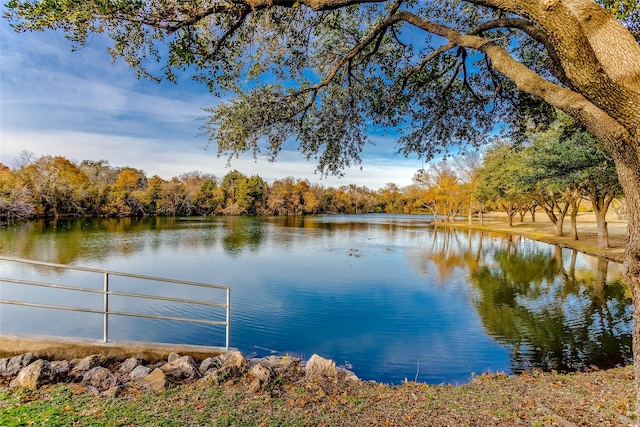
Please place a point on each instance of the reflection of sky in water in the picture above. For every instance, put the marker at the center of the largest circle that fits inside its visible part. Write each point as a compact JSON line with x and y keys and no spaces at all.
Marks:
{"x":384,"y":294}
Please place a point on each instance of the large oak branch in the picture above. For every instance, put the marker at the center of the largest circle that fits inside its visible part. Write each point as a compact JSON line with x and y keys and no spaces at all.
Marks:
{"x":598,"y":55}
{"x":599,"y":122}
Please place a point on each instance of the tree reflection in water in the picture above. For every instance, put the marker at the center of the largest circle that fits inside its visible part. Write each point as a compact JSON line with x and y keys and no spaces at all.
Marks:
{"x":550,"y":313}
{"x":548,"y":317}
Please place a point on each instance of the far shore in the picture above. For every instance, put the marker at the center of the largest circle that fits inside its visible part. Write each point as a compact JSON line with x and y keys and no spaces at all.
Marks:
{"x":543,"y":230}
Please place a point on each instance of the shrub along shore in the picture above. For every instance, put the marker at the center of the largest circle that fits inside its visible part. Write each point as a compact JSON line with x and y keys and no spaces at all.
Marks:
{"x":599,"y":398}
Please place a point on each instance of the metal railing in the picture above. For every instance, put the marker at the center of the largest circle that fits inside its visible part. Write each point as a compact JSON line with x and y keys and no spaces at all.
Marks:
{"x":106,"y":292}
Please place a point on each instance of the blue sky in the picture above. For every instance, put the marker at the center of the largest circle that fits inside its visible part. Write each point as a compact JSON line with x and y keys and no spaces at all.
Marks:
{"x":78,"y":105}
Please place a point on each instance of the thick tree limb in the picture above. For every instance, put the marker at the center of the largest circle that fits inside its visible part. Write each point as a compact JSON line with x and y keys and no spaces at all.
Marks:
{"x":597,"y":52}
{"x":535,"y":33}
{"x":598,"y":121}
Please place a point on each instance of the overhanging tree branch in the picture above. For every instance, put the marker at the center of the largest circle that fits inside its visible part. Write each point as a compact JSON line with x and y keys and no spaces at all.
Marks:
{"x":526,"y":80}
{"x":220,"y":42}
{"x":535,"y":33}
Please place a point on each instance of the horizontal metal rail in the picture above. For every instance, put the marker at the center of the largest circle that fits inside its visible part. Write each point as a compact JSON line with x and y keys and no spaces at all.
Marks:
{"x":106,"y":292}
{"x":50,"y":285}
{"x":113,"y":273}
{"x":120,"y":294}
{"x":118,"y":313}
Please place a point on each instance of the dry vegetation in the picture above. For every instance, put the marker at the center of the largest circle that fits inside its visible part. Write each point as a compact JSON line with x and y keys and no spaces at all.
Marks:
{"x":601,"y":398}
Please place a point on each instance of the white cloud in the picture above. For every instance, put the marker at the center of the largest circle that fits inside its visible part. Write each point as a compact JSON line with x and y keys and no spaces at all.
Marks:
{"x":168,"y":159}
{"x":77,"y":105}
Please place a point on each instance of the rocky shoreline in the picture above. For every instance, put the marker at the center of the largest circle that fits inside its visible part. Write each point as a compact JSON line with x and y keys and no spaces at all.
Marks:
{"x":108,"y":377}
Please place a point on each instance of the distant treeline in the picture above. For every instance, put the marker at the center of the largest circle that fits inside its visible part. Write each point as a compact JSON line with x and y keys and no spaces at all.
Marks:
{"x":554,"y":173}
{"x":51,"y":186}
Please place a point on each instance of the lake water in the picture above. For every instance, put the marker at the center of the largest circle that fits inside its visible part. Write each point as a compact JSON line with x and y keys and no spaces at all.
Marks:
{"x":387,"y":296}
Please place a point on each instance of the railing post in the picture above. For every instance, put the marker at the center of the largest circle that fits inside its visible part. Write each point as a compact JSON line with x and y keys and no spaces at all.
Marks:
{"x":228,"y":317}
{"x":105,"y":332}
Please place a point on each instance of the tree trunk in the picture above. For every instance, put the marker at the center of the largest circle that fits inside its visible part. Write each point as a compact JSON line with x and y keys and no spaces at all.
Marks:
{"x":603,"y":230}
{"x":562,"y":213}
{"x":628,"y":168}
{"x":558,"y":220}
{"x":619,"y":209}
{"x":600,"y":208}
{"x":434,"y":210}
{"x":633,"y":280}
{"x":533,"y":209}
{"x":454,"y":212}
{"x":574,"y":224}
{"x":510,"y":209}
{"x":559,"y":225}
{"x":575,"y":205}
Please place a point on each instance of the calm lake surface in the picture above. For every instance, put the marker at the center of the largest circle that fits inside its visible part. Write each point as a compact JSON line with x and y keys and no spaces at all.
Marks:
{"x":387,"y":296}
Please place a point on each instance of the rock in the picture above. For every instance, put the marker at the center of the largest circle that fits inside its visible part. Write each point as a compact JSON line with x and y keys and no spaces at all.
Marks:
{"x":231,"y":364}
{"x":129,"y":365}
{"x":13,"y":365}
{"x":283,"y":366}
{"x":210,"y":363}
{"x":235,"y":359}
{"x":173,"y":357}
{"x":62,"y":367}
{"x":255,"y":386}
{"x":87,"y":363}
{"x":223,"y":376}
{"x":347,"y":375}
{"x":139,"y":372}
{"x":229,"y":383}
{"x":183,"y":368}
{"x":319,"y":367}
{"x":33,"y":376}
{"x":156,"y":381}
{"x":212,"y":377}
{"x":230,"y":373}
{"x":262,"y":373}
{"x":274,"y":361}
{"x":108,"y":377}
{"x":100,"y":378}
